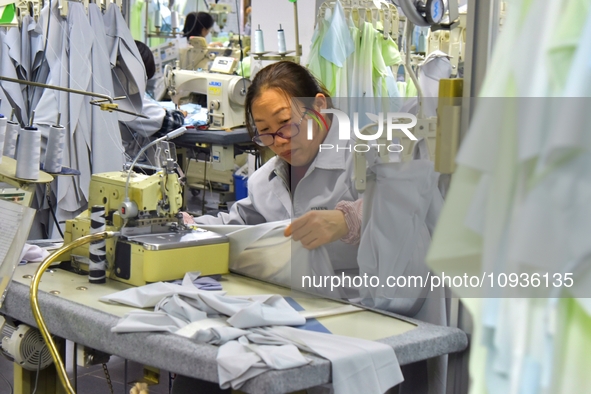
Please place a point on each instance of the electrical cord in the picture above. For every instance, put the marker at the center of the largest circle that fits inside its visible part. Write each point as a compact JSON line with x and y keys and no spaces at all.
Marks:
{"x":8,"y":383}
{"x":241,"y":48}
{"x":37,"y":375}
{"x":53,"y":215}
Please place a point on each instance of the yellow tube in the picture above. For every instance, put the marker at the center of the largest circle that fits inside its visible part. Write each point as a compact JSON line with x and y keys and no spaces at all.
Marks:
{"x":34,"y":288}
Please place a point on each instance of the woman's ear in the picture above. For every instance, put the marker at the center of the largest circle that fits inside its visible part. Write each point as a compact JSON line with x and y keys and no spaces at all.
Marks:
{"x":320,"y":101}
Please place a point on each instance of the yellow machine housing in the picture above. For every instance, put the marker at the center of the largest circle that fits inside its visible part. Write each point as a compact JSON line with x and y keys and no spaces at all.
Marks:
{"x":154,"y":246}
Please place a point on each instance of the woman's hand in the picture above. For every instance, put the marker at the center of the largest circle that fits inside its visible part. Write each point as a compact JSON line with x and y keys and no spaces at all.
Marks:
{"x":187,"y":218}
{"x":317,"y":228}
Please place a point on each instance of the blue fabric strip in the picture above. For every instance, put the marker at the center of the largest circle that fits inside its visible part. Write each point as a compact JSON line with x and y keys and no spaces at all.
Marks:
{"x":311,"y":324}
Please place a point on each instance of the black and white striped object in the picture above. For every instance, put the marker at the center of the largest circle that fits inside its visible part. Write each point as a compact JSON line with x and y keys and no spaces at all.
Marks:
{"x":97,"y":269}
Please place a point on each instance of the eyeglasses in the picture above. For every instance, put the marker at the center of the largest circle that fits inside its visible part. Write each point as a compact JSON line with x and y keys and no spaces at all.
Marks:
{"x":287,"y":131}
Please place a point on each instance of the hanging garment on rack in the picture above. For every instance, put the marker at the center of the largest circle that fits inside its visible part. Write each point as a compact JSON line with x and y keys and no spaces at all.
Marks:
{"x":392,"y":58}
{"x":39,"y":70}
{"x":352,"y":61}
{"x":82,"y":39}
{"x":28,"y":24}
{"x":435,"y":67}
{"x":136,"y":19}
{"x":52,"y":102}
{"x":107,"y":147}
{"x":129,"y":73}
{"x":5,"y":106}
{"x":9,"y":61}
{"x":316,"y":63}
{"x":539,"y":206}
{"x":337,"y":45}
{"x":364,"y":77}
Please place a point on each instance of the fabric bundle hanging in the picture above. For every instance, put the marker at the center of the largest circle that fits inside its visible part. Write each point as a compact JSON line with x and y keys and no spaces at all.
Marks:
{"x":518,"y":202}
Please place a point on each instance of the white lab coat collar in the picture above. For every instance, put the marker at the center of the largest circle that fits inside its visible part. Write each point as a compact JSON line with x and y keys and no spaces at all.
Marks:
{"x":331,"y":159}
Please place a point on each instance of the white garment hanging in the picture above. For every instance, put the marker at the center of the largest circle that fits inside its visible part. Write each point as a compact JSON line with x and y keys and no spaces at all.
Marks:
{"x":107,"y":147}
{"x":10,"y":55}
{"x":129,"y":73}
{"x":39,"y":70}
{"x":5,"y":106}
{"x":81,"y":41}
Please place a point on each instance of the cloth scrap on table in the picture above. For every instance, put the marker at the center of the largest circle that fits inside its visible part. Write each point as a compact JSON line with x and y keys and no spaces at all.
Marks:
{"x":200,"y":282}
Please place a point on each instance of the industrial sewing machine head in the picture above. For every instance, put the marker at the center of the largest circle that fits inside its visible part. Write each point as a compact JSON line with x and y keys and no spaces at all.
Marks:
{"x":154,"y":244}
{"x":195,"y":56}
{"x":226,"y":94}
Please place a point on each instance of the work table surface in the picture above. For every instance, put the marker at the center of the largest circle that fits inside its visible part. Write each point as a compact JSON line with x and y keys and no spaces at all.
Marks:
{"x":72,"y":311}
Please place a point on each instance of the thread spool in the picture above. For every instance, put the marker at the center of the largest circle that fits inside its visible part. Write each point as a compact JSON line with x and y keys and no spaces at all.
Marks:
{"x":11,"y":136}
{"x":97,"y":269}
{"x":259,"y":43}
{"x":28,"y":153}
{"x":174,"y":20}
{"x":3,"y":122}
{"x":54,"y":152}
{"x":281,"y":40}
{"x":157,"y":17}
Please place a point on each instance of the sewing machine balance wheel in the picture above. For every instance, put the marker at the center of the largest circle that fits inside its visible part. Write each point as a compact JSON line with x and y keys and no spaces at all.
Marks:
{"x":238,"y":88}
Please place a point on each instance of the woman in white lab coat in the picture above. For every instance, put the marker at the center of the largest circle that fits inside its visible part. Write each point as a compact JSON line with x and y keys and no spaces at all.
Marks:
{"x":312,"y":187}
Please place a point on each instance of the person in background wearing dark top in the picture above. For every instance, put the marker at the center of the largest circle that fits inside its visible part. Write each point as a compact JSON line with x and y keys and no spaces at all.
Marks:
{"x":140,"y":131}
{"x":198,"y":24}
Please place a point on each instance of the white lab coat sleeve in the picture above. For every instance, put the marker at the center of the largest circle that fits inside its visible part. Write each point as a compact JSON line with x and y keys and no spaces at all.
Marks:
{"x":242,"y":212}
{"x":246,"y":211}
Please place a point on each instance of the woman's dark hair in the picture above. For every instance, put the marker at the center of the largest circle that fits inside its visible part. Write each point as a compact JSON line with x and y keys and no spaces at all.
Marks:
{"x":147,"y":57}
{"x":195,"y":22}
{"x":290,"y":78}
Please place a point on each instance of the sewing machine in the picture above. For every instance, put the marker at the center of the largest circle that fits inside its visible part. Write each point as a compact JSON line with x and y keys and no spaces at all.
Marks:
{"x":196,"y":55}
{"x":154,"y":244}
{"x":220,"y":12}
{"x":226,"y":94}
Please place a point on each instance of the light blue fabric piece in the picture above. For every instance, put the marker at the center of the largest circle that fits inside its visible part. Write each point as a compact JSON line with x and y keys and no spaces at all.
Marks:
{"x":337,"y":45}
{"x":531,"y":376}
